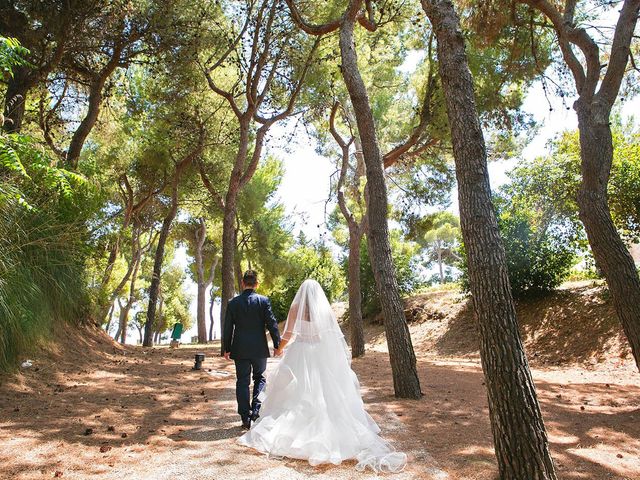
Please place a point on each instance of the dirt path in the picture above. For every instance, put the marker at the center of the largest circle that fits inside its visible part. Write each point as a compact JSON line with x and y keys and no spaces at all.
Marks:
{"x":152,"y":417}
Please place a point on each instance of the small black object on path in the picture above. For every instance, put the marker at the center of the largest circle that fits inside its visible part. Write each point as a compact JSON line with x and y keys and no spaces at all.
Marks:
{"x":198,"y":362}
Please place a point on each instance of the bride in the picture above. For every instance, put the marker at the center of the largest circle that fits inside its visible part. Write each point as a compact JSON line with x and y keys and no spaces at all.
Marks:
{"x":312,"y":408}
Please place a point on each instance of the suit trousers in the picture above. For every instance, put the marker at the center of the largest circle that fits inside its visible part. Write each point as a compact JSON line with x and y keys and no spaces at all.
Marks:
{"x":244,"y":368}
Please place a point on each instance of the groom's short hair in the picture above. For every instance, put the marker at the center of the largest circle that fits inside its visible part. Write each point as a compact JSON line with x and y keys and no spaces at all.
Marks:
{"x":250,"y":278}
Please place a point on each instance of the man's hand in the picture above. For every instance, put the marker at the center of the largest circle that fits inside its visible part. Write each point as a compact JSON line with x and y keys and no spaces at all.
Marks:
{"x":226,"y":355}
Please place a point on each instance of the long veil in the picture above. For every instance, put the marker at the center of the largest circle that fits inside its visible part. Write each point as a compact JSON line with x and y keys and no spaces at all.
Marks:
{"x":311,"y":318}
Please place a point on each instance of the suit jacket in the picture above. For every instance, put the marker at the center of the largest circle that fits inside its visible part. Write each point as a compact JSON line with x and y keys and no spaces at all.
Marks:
{"x":246,"y":320}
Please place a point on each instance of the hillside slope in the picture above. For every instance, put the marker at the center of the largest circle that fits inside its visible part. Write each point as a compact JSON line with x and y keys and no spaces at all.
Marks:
{"x":575,"y":324}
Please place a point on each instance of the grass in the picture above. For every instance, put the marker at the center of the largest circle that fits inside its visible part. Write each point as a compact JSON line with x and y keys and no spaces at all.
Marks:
{"x":41,"y":275}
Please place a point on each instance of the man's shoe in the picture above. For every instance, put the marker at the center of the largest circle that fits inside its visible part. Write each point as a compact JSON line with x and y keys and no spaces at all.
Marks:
{"x":246,"y":423}
{"x":255,"y":416}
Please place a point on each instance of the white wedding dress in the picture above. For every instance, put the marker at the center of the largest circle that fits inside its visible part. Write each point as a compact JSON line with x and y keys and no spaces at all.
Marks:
{"x":312,"y":408}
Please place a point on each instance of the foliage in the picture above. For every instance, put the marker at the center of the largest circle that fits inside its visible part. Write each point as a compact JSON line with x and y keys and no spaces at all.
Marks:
{"x":307,"y":260}
{"x":539,"y":254}
{"x":43,"y":210}
{"x":407,"y":267}
{"x":175,"y":306}
{"x":12,"y":54}
{"x":538,"y":221}
{"x":624,"y":184}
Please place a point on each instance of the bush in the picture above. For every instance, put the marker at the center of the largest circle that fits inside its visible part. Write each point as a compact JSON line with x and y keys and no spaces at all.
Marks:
{"x":307,"y":261}
{"x":405,"y":260}
{"x":538,"y":260}
{"x":539,"y":255}
{"x":42,"y":246}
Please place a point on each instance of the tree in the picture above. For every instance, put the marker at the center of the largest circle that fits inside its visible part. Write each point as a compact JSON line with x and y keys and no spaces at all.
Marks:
{"x":403,"y":361}
{"x":181,"y":165}
{"x":519,"y":434}
{"x":442,"y":238}
{"x":45,"y":30}
{"x":204,"y":251}
{"x":598,"y":75}
{"x":125,"y":33}
{"x":268,"y":75}
{"x":307,"y":260}
{"x":406,"y":263}
{"x":356,"y":229}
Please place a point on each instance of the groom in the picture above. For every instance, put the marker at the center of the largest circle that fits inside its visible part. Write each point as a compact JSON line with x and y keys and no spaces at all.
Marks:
{"x":245,"y":341}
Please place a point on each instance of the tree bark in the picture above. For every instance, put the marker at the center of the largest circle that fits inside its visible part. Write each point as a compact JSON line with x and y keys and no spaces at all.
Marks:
{"x":124,"y":312}
{"x":402,"y":357}
{"x":203,"y":280}
{"x":109,"y":318}
{"x":520,"y":438}
{"x":598,"y":78}
{"x":119,"y":329}
{"x":15,"y":98}
{"x":87,"y":123}
{"x":356,"y":322}
{"x":610,"y":252}
{"x":356,"y":229}
{"x":228,"y":259}
{"x":157,"y":264}
{"x":439,"y":249}
{"x":212,"y":322}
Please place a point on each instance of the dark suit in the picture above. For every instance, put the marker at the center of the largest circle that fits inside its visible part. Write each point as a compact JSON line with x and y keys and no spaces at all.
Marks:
{"x":246,"y":320}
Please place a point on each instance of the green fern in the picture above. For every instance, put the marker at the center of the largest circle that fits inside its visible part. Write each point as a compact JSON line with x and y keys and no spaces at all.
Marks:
{"x":10,"y":159}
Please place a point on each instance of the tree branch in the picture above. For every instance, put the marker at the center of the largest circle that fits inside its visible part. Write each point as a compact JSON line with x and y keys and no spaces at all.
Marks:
{"x":296,"y":91}
{"x":209,"y":186}
{"x":620,"y":51}
{"x":224,"y":94}
{"x":310,"y":28}
{"x":391,"y":157}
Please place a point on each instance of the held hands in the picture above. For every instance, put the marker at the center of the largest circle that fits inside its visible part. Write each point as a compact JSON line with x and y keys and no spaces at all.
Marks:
{"x":278,"y":351}
{"x":226,"y":355}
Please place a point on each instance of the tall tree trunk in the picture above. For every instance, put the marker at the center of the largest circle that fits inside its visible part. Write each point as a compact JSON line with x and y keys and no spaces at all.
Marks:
{"x":598,"y":75}
{"x":212,"y":324}
{"x":124,"y":312}
{"x":15,"y":98}
{"x":154,"y":287}
{"x":109,"y":318}
{"x":520,"y":438}
{"x":124,"y":322}
{"x":201,"y":313}
{"x":228,"y":258}
{"x":356,"y":229}
{"x":611,"y":254}
{"x":157,"y":263}
{"x":356,"y":322}
{"x":229,"y":224}
{"x":119,"y":330}
{"x":200,"y":238}
{"x":403,"y":361}
{"x":439,"y":248}
{"x":87,"y":123}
